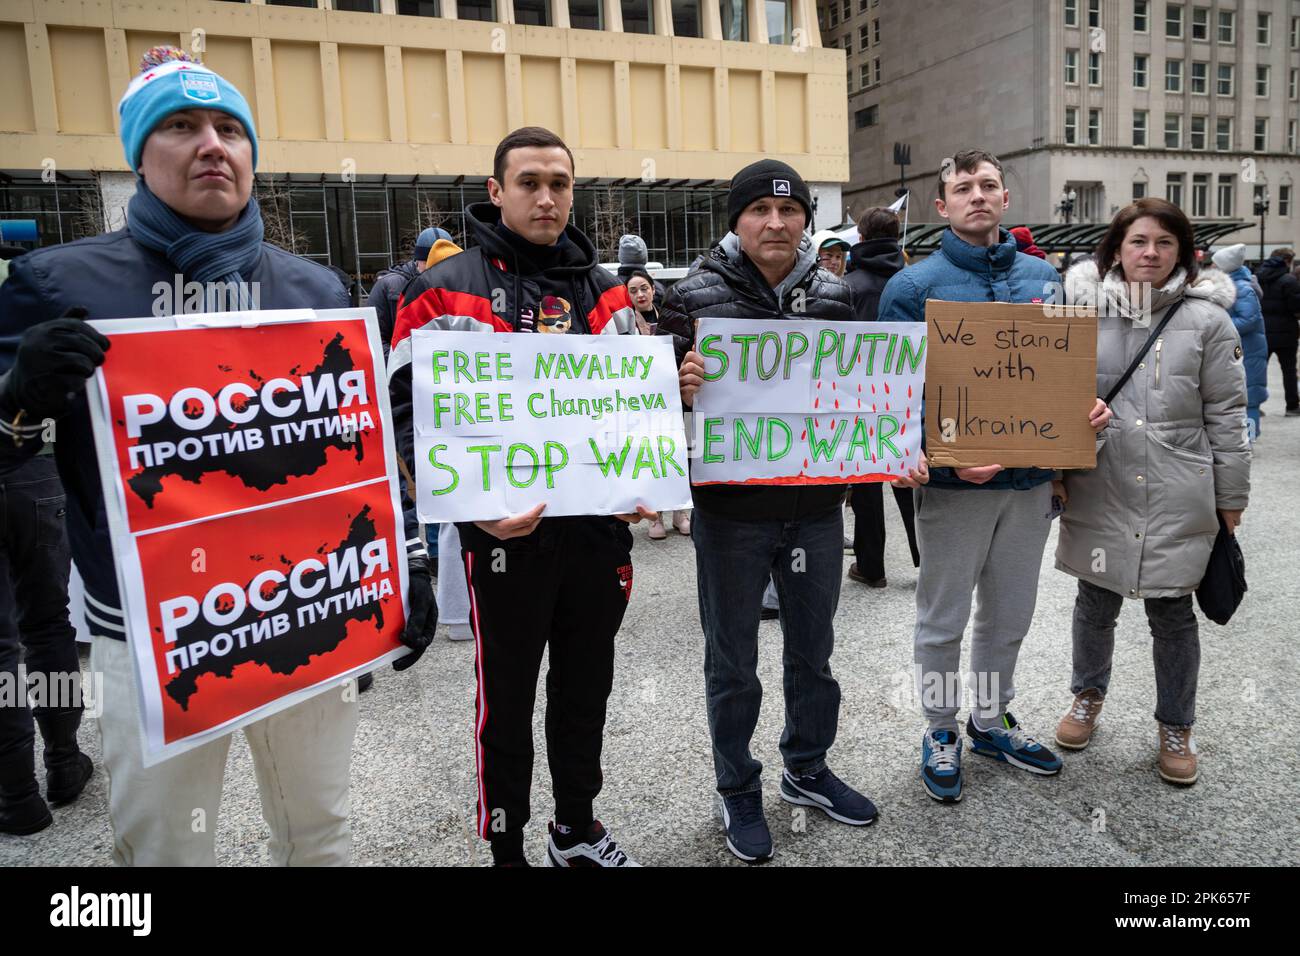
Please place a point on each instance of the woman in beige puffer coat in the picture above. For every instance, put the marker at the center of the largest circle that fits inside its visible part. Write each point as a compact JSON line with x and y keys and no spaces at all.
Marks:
{"x":1174,"y":457}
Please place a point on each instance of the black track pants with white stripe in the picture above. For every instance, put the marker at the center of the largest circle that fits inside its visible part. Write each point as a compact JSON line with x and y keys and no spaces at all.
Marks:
{"x":566,"y":586}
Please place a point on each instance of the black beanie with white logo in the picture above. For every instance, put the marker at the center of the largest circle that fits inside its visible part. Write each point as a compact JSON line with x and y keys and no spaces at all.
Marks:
{"x":766,"y":178}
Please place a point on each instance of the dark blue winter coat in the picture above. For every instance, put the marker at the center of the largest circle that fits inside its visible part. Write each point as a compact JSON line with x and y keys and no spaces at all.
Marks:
{"x":961,"y":272}
{"x":113,"y":277}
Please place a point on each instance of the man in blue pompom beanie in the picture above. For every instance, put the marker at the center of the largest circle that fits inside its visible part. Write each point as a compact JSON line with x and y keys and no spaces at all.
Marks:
{"x":189,"y":136}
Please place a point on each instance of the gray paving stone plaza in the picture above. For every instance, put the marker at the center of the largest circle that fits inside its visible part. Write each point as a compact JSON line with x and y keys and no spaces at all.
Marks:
{"x":413,"y":770}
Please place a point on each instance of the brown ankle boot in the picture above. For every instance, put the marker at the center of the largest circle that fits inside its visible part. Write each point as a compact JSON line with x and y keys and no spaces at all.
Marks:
{"x":1178,"y":755}
{"x":1076,"y":727}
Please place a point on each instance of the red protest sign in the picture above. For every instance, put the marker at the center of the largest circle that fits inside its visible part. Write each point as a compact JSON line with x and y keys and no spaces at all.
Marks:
{"x":269,"y":612}
{"x":208,"y":421}
{"x":250,"y":483}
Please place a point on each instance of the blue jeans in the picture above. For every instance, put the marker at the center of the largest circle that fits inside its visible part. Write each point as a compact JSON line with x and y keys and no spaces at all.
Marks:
{"x":733,"y":561}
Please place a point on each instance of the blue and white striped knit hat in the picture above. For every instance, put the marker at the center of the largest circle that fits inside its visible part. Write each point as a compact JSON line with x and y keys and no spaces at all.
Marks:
{"x":170,"y":81}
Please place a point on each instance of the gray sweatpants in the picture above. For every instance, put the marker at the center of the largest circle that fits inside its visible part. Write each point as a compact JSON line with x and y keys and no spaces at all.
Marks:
{"x":989,"y":543}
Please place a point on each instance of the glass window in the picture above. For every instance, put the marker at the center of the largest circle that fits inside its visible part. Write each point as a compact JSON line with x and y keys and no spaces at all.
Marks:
{"x":1295,"y":33}
{"x":1071,"y":13}
{"x":864,"y":37}
{"x":1200,"y":23}
{"x":1291,"y":136}
{"x":1260,"y":195}
{"x":1139,"y":127}
{"x":1173,"y":131}
{"x":1197,"y":132}
{"x":1141,"y":15}
{"x":357,"y":6}
{"x":485,"y":10}
{"x":1227,"y":186}
{"x":1263,"y":28}
{"x":864,"y":78}
{"x":1262,"y":75}
{"x":590,"y":15}
{"x":866,"y":117}
{"x":875,"y":31}
{"x":1173,"y":76}
{"x":1293,"y":85}
{"x":1227,"y":26}
{"x":848,"y":78}
{"x":835,"y":15}
{"x":862,"y":6}
{"x":779,"y":16}
{"x":638,"y":16}
{"x":419,"y":8}
{"x":1200,"y":195}
{"x":1284,"y":201}
{"x":1094,"y":69}
{"x":1174,"y":188}
{"x":1072,"y":66}
{"x":1140,"y":72}
{"x":1174,"y":21}
{"x":1261,"y":134}
{"x":1094,"y":13}
{"x":1223,"y":133}
{"x":848,"y":43}
{"x":292,"y":3}
{"x":1094,"y":127}
{"x":535,"y":13}
{"x":848,"y":10}
{"x":1139,"y":191}
{"x":1225,"y":80}
{"x":1200,"y":77}
{"x":875,"y":64}
{"x":1071,"y":126}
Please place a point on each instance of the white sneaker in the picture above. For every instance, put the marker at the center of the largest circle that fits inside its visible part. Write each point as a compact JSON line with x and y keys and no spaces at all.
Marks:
{"x":601,"y":850}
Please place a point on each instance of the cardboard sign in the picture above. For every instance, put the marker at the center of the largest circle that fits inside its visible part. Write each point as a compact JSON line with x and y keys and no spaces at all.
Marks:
{"x":586,"y":424}
{"x":250,"y":483}
{"x":803,"y":402}
{"x":1010,"y":385}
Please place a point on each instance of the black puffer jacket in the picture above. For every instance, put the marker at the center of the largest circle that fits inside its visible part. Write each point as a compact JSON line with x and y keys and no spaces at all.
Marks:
{"x":875,"y":262}
{"x":727,"y":285}
{"x":1281,"y":298}
{"x":387,"y":292}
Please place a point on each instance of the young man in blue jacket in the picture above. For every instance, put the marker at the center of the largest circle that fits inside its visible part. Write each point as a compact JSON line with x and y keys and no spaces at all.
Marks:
{"x":979,"y":529}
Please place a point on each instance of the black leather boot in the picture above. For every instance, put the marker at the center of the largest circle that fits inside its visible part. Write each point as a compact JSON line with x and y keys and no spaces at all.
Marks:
{"x":22,"y":811}
{"x":67,"y":769}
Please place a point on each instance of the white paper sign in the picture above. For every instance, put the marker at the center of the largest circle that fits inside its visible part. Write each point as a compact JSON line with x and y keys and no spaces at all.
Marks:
{"x":586,"y":424}
{"x":802,"y":402}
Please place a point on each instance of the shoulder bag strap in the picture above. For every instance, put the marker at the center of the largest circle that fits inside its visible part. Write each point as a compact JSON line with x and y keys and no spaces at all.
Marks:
{"x":1142,"y":354}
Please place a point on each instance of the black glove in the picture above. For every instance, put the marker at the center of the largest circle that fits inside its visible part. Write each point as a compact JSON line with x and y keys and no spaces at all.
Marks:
{"x":52,"y":363}
{"x":418,"y":634}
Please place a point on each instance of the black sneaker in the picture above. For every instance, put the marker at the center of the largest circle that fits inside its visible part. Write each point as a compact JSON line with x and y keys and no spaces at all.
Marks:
{"x":747,"y":834}
{"x":830,"y":794}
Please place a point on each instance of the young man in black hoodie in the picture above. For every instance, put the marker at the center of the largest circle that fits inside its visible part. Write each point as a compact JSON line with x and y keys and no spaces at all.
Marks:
{"x":766,"y":268}
{"x":876,"y":259}
{"x":534,"y":582}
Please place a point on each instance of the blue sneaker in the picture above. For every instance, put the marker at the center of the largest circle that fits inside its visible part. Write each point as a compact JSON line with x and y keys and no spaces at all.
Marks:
{"x":830,"y":794}
{"x":1010,"y":743}
{"x":747,"y":834}
{"x":941,"y":765}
